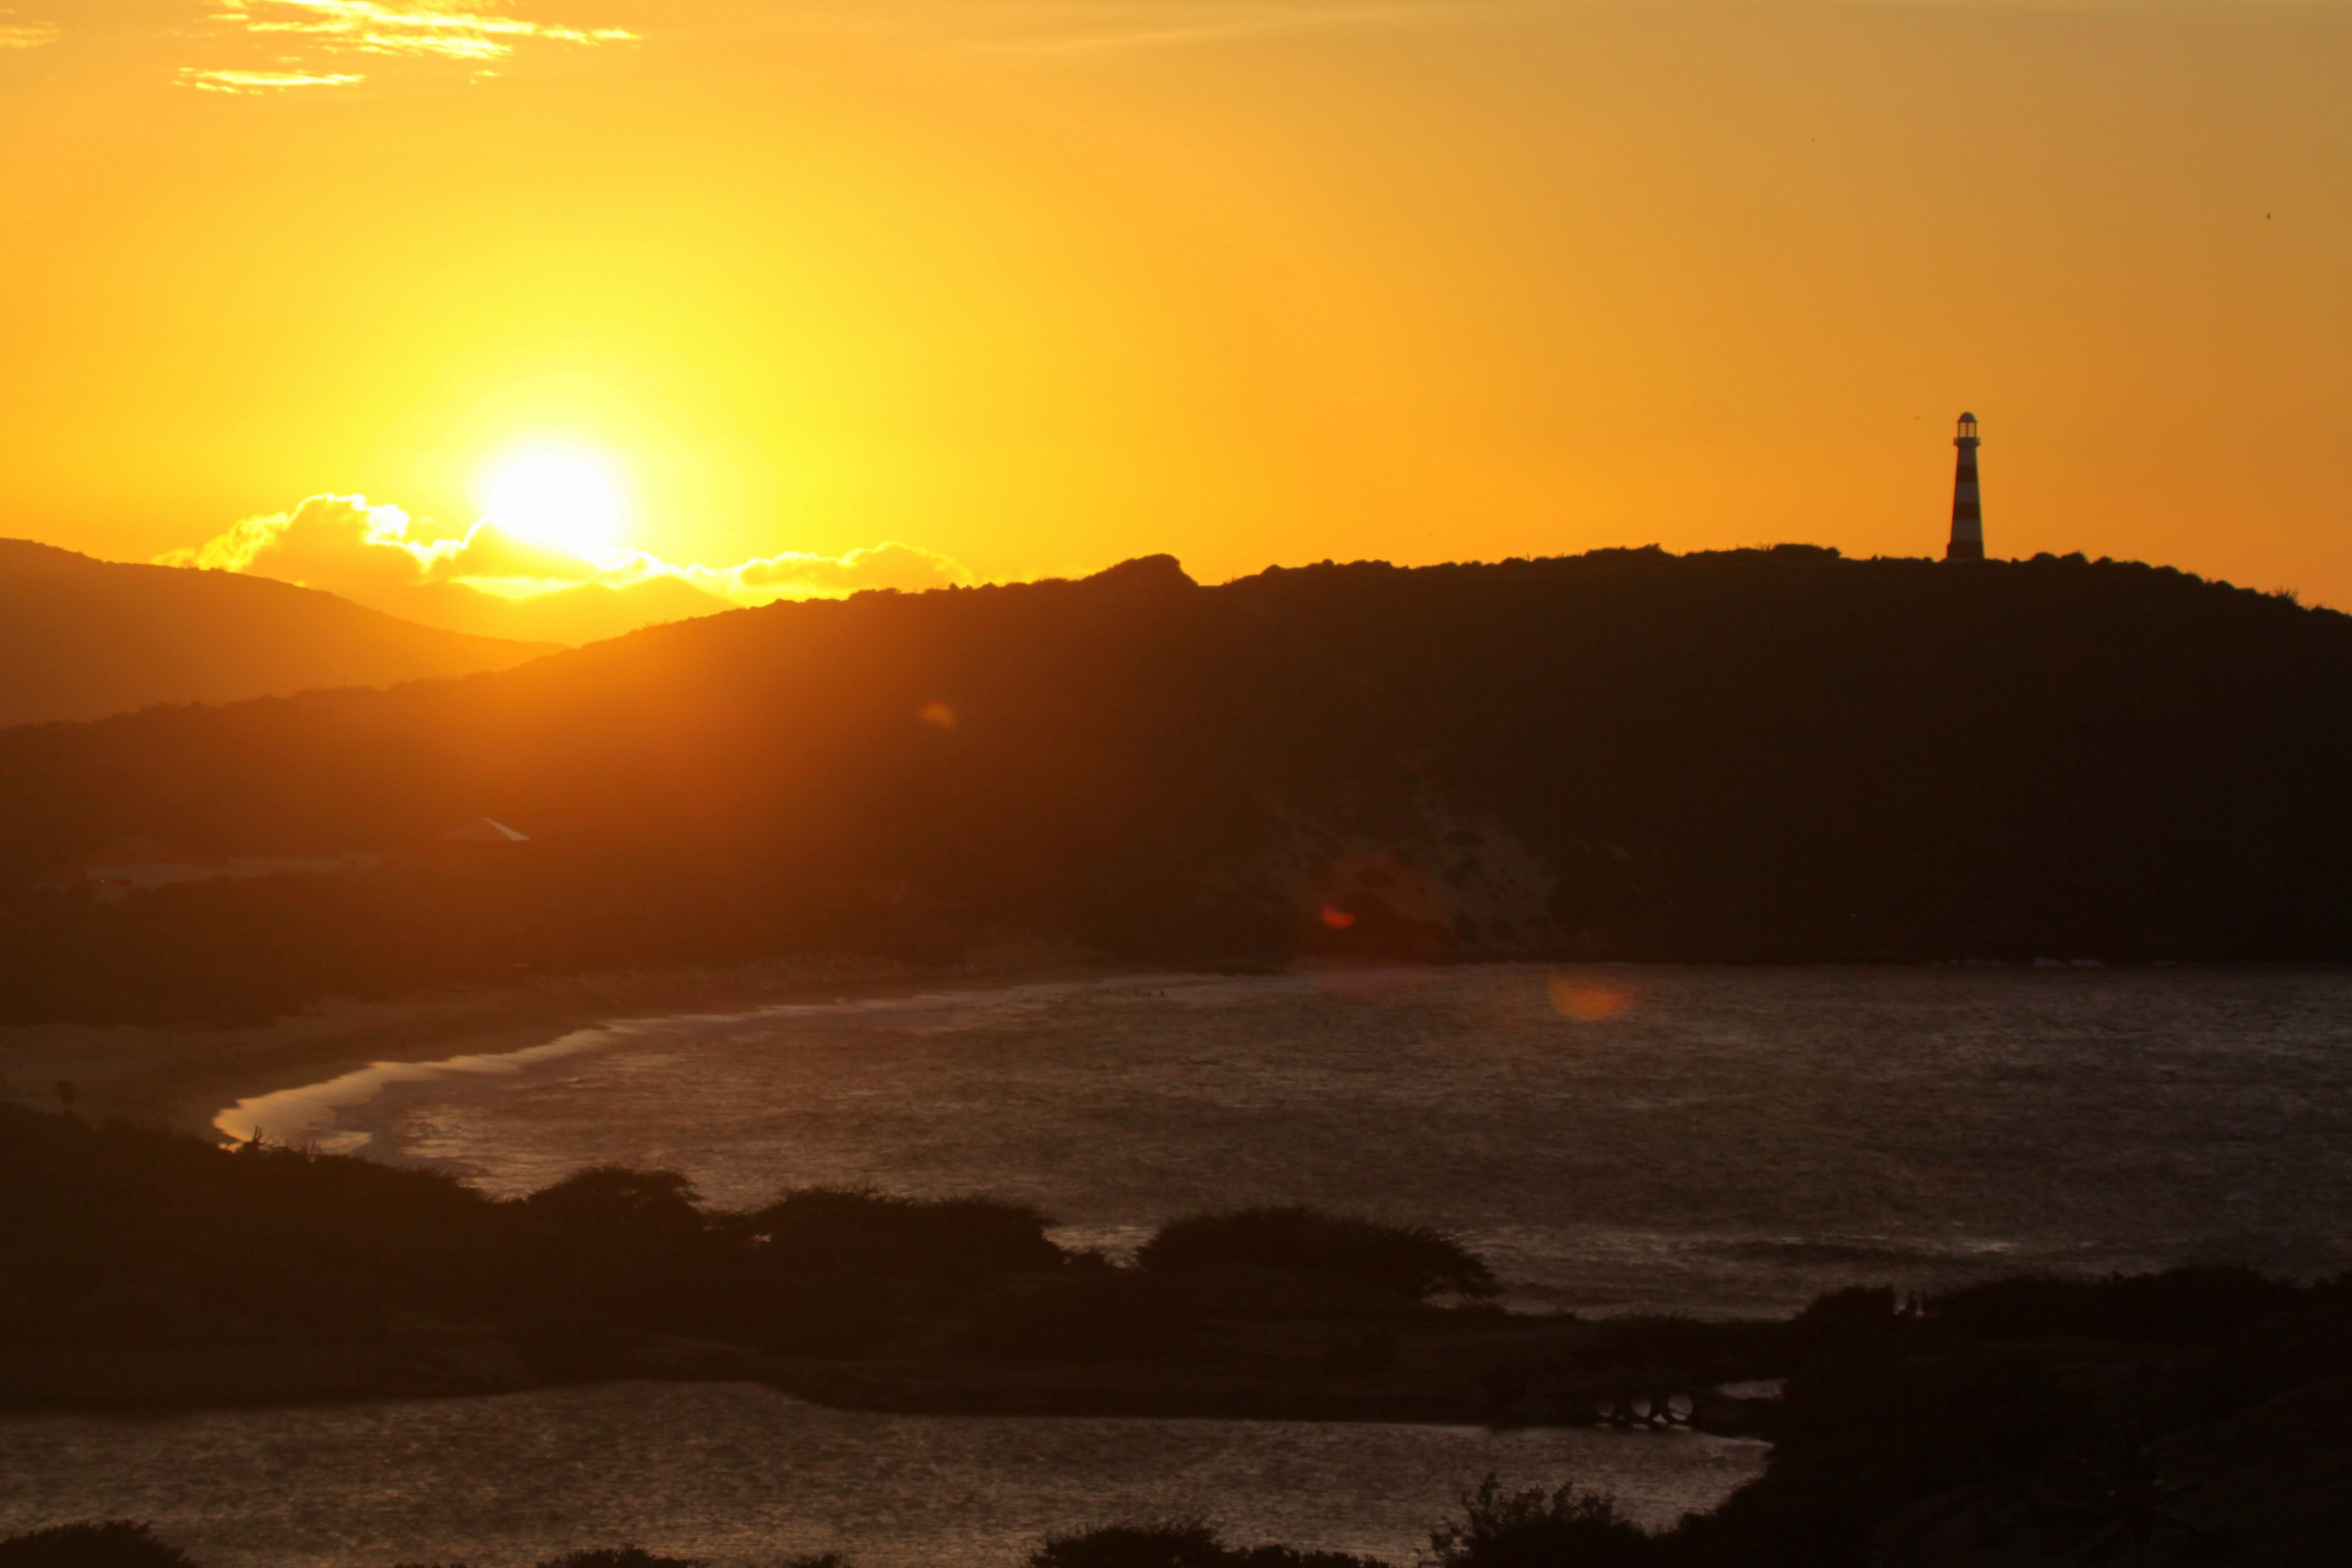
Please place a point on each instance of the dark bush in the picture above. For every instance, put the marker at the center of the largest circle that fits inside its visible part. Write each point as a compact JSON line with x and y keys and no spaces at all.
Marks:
{"x":1169,"y":1543}
{"x":827,"y":1315}
{"x":620,"y":1557}
{"x":1857,"y":1307}
{"x":1176,"y":1543}
{"x":92,"y":1543}
{"x":1535,"y":1529}
{"x":1698,"y":1348}
{"x":2181,"y":1306}
{"x":1110,"y":1315}
{"x":836,"y":1230}
{"x":1408,"y":1260}
{"x":1368,"y":1352}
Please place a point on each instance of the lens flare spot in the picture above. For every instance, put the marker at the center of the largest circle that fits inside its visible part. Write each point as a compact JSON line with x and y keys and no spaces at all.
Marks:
{"x":1583,"y":1002}
{"x":937,"y":715}
{"x":1337,"y":920}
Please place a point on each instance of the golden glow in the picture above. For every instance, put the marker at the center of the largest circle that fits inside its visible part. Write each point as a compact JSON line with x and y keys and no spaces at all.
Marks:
{"x":898,"y":293}
{"x":566,"y":497}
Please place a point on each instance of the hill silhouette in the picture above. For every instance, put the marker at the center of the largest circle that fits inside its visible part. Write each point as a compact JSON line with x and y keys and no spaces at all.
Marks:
{"x":1774,"y":754}
{"x":589,"y":611}
{"x":80,"y":639}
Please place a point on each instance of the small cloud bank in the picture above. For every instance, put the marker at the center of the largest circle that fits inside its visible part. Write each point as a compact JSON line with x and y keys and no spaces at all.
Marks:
{"x":485,"y":581}
{"x":887,"y":566}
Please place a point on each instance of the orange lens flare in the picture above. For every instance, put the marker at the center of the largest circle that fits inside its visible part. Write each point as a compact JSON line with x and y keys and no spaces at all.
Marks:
{"x":1582,"y":1002}
{"x":1337,"y":920}
{"x":937,"y":713}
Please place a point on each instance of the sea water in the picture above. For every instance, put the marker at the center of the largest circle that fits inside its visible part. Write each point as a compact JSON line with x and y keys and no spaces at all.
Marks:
{"x":1617,"y":1138}
{"x":1666,"y":1139}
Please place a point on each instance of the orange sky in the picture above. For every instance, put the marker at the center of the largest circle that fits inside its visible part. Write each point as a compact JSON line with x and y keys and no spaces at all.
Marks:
{"x":1035,"y":285}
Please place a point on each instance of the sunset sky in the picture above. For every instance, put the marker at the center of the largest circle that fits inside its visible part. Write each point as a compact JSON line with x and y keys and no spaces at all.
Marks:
{"x":1027,"y":287}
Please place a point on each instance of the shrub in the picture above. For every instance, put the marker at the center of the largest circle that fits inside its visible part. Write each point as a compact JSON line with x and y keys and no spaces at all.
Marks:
{"x":1693,"y":1346}
{"x":1361,"y":1352}
{"x":1409,"y":1260}
{"x":92,"y":1543}
{"x":834,"y":1316}
{"x":1169,"y":1544}
{"x":1535,"y":1529}
{"x":1117,"y":1314}
{"x":2181,"y":1306}
{"x":1176,"y":1543}
{"x":837,"y":1230}
{"x":619,"y":1557}
{"x":1857,"y":1307}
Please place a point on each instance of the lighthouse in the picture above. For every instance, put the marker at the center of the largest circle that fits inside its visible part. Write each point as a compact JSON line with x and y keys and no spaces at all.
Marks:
{"x":1968,"y":512}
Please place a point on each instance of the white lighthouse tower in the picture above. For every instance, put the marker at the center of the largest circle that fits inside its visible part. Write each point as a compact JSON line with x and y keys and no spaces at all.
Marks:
{"x":1967,"y":510}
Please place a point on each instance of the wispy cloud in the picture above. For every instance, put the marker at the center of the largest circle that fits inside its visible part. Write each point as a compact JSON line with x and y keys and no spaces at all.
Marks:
{"x":262,"y":81}
{"x":1107,"y":26}
{"x":476,"y":33}
{"x":429,"y":27}
{"x":25,"y":35}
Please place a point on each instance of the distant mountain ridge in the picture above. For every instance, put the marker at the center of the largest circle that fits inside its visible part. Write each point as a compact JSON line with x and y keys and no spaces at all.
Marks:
{"x":81,"y":638}
{"x":585,"y":613}
{"x":1766,"y":754}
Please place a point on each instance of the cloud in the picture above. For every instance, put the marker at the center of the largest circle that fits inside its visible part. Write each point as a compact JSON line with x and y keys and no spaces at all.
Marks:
{"x":337,"y":542}
{"x":440,"y":28}
{"x":1119,"y":25}
{"x":887,"y":566}
{"x":25,"y":35}
{"x":450,"y":31}
{"x":261,"y":81}
{"x":379,"y":557}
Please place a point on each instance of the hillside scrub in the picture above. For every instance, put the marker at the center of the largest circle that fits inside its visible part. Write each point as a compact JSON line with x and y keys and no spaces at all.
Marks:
{"x":1751,"y":755}
{"x":117,"y":1235}
{"x":1405,"y":1260}
{"x":92,"y":1543}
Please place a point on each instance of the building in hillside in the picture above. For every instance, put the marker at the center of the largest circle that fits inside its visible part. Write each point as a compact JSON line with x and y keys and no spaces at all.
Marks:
{"x":483,"y":830}
{"x":1968,"y":508}
{"x":114,"y":878}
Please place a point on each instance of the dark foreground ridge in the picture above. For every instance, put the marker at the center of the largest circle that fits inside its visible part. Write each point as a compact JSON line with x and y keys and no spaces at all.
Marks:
{"x":1755,"y":755}
{"x":2205,"y":1412}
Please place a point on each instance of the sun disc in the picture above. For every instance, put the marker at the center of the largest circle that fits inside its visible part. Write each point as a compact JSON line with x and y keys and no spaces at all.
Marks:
{"x":567,"y":498}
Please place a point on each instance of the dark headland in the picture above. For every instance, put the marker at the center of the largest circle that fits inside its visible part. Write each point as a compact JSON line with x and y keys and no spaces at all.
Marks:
{"x":1754,"y":756}
{"x":2200,"y":1411}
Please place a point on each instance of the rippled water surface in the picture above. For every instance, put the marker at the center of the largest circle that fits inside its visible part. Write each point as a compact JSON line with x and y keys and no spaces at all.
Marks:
{"x":1702,"y":1140}
{"x":739,"y":1474}
{"x":1696,"y":1140}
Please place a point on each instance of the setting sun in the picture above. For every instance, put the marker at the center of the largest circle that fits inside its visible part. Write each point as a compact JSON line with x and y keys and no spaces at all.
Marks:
{"x":570,"y":498}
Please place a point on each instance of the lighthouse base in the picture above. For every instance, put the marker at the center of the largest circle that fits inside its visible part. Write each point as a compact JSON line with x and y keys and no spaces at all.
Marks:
{"x":1964,"y":550}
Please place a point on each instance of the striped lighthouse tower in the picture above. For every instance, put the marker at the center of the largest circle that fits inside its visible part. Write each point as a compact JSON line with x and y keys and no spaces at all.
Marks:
{"x":1968,"y":512}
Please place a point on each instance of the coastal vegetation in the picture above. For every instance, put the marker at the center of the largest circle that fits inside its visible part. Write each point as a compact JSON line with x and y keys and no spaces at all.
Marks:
{"x":2186,"y":1410}
{"x":1407,"y":1261}
{"x":1748,"y":755}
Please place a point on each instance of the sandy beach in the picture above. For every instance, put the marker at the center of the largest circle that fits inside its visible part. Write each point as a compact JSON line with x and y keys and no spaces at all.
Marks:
{"x":181,"y":1078}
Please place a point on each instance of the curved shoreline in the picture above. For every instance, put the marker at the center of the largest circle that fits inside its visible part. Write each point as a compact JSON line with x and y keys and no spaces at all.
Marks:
{"x":308,"y":1112}
{"x":303,"y":1113}
{"x":187,"y":1078}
